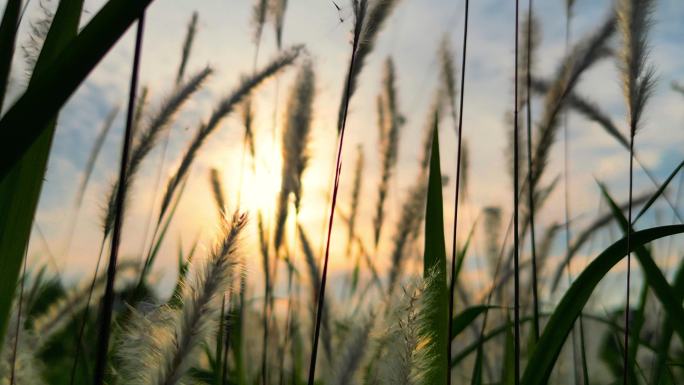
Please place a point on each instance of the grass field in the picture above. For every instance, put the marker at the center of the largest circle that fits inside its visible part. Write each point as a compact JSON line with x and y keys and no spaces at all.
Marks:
{"x":352,"y":228}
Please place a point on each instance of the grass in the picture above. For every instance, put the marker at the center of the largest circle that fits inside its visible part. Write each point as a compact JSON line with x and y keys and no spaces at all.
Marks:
{"x":420,"y":319}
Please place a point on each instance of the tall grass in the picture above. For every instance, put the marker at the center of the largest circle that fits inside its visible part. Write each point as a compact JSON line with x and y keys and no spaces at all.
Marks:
{"x":393,"y":314}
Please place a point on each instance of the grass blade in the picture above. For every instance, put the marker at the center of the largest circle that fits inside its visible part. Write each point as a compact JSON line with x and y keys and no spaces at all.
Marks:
{"x":21,"y":179}
{"x":68,"y":67}
{"x":435,"y":273}
{"x":560,"y":324}
{"x":8,"y":35}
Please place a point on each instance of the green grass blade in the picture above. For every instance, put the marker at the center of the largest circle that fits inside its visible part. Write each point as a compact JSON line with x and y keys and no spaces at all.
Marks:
{"x":8,"y":36}
{"x":658,"y":192}
{"x":22,"y":179}
{"x":70,"y":66}
{"x":508,"y":366}
{"x":555,"y":333}
{"x":669,"y":297}
{"x":660,"y":370}
{"x":434,"y":271}
{"x":466,"y":317}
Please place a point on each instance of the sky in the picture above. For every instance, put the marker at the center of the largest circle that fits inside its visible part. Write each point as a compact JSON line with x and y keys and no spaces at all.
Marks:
{"x":411,"y":37}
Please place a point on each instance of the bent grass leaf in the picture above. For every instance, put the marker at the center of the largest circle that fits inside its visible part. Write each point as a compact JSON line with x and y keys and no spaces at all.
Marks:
{"x":555,"y":333}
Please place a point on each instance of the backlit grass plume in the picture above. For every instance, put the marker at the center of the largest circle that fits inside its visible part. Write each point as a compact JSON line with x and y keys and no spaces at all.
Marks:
{"x":223,"y":109}
{"x":390,"y":121}
{"x":277,"y":11}
{"x":145,"y":140}
{"x":217,"y":191}
{"x":187,"y":46}
{"x":370,"y":17}
{"x":296,"y":136}
{"x":355,"y":194}
{"x":638,"y":79}
{"x":587,"y":52}
{"x":160,"y":347}
{"x":447,"y":72}
{"x":259,"y":18}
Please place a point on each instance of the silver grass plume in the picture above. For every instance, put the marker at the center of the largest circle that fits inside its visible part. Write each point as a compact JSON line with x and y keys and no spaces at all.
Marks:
{"x":634,"y":20}
{"x":587,"y":108}
{"x":160,"y":347}
{"x":259,"y":18}
{"x":354,"y":350}
{"x":296,"y":136}
{"x":425,"y":331}
{"x":492,"y":235}
{"x":140,"y":107}
{"x":638,"y":80}
{"x":223,"y":109}
{"x":99,"y":141}
{"x":217,"y":191}
{"x":413,"y":208}
{"x":448,"y":78}
{"x":367,"y":25}
{"x":587,"y":52}
{"x":390,"y":121}
{"x":187,"y":46}
{"x":355,"y":195}
{"x":405,"y":358}
{"x":465,"y":169}
{"x":145,"y":140}
{"x":277,"y":11}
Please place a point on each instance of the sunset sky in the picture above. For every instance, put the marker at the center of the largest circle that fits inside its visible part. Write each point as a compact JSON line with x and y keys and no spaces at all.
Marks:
{"x":411,"y":37}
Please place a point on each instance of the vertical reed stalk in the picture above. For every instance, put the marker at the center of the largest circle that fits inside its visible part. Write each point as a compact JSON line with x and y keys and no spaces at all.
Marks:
{"x":452,"y":284}
{"x":108,"y":300}
{"x":530,"y":191}
{"x":516,"y":241}
{"x":360,"y":13}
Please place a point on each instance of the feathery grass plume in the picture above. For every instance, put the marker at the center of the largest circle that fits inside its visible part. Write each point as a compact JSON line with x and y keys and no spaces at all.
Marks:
{"x":465,"y":169}
{"x":187,"y":46}
{"x":296,"y":136}
{"x":248,"y":121}
{"x":404,"y":360}
{"x":355,"y":195}
{"x":354,"y":350}
{"x":140,"y":107}
{"x":223,"y":109}
{"x":638,"y":80}
{"x":368,"y":23}
{"x":277,"y":9}
{"x":492,"y":233}
{"x":390,"y":121}
{"x":448,"y":78}
{"x":634,"y":21}
{"x":259,"y":19}
{"x":589,"y":109}
{"x":413,"y":209}
{"x":587,"y":52}
{"x":160,"y":348}
{"x":146,"y":139}
{"x":99,"y":141}
{"x":217,"y":191}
